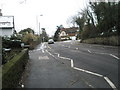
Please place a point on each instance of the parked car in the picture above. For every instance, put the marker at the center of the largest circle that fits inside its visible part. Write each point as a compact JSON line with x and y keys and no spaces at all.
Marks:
{"x":50,"y":41}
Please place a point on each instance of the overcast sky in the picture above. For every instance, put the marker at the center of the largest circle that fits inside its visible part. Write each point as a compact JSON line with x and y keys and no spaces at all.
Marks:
{"x":55,"y":12}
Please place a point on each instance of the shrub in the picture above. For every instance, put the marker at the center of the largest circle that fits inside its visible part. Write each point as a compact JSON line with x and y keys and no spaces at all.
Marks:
{"x":113,"y":40}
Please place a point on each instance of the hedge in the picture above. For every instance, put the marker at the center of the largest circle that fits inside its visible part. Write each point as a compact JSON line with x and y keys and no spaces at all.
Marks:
{"x":113,"y":40}
{"x":12,"y":71}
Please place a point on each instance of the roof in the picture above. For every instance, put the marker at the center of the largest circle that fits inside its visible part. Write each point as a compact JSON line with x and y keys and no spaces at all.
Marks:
{"x":70,"y":31}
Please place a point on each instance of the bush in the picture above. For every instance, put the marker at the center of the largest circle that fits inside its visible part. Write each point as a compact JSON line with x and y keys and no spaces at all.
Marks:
{"x":11,"y":43}
{"x":12,"y":71}
{"x":113,"y":40}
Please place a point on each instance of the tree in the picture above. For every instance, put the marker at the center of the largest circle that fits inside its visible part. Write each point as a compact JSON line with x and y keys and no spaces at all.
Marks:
{"x":28,"y":35}
{"x":28,"y":38}
{"x":27,"y":30}
{"x":81,"y":20}
{"x":44,"y":35}
{"x":106,"y":16}
{"x":99,"y":19}
{"x":56,"y":35}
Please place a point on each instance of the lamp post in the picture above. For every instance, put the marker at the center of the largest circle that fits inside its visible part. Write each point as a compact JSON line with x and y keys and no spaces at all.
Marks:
{"x":39,"y":28}
{"x":39,"y":25}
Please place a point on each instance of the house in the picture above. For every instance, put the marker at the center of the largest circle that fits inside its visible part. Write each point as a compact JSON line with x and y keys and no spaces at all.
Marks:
{"x":6,"y":25}
{"x":68,"y":33}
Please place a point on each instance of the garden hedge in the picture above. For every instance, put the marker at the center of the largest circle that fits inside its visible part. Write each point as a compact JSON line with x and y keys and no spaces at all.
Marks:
{"x":12,"y":71}
{"x":113,"y":40}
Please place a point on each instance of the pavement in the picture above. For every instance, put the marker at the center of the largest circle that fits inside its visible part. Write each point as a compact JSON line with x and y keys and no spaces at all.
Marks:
{"x":72,"y":65}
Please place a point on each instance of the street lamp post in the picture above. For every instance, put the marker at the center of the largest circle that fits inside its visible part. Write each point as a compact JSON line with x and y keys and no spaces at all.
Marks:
{"x":39,"y":28}
{"x":38,"y":24}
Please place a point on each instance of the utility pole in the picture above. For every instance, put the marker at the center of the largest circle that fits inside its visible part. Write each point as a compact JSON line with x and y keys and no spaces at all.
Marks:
{"x":0,"y":12}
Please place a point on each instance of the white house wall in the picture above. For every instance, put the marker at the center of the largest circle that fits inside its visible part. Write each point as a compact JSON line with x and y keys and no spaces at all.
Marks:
{"x":6,"y":32}
{"x":63,"y":33}
{"x":73,"y":37}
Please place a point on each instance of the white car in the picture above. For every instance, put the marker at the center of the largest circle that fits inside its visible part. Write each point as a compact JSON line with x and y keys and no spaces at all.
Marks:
{"x":50,"y":41}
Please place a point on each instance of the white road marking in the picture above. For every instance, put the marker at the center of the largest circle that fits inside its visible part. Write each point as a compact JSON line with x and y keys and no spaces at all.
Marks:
{"x":76,"y":48}
{"x":103,"y":53}
{"x":96,"y":74}
{"x":41,"y":48}
{"x":45,"y":46}
{"x":72,"y":63}
{"x":43,"y":57}
{"x":89,"y":51}
{"x":50,"y":54}
{"x":89,"y":84}
{"x":58,"y":55}
{"x":86,"y":71}
{"x":114,"y":56}
{"x":49,"y":47}
{"x":110,"y":83}
{"x":64,"y":58}
{"x":107,"y":54}
{"x":43,"y":51}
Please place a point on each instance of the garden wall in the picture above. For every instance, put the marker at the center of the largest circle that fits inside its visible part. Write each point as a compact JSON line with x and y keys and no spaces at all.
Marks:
{"x":12,"y":70}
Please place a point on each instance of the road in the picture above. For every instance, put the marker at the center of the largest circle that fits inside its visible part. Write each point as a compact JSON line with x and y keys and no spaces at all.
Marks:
{"x":72,"y":64}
